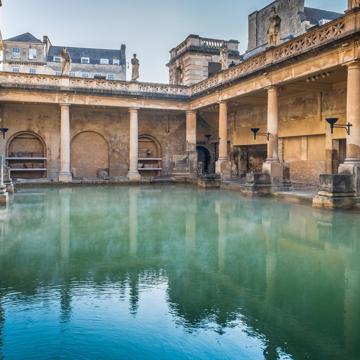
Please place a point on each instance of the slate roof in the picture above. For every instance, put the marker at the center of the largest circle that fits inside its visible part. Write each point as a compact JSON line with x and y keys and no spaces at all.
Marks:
{"x":27,"y":37}
{"x":94,"y":54}
{"x":315,"y":15}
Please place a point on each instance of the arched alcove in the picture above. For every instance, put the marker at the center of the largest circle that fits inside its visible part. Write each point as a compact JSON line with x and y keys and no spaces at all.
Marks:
{"x":150,"y":156}
{"x":89,"y":155}
{"x":26,"y":155}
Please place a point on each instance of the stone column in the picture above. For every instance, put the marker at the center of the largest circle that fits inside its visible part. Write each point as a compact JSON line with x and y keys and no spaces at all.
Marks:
{"x":223,"y":165}
{"x":133,"y":174}
{"x":352,"y":161}
{"x":65,"y":172}
{"x":273,"y":125}
{"x":272,"y":166}
{"x":191,"y":141}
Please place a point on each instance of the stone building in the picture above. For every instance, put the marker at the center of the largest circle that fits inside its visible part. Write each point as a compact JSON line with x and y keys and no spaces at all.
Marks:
{"x":65,"y":128}
{"x":295,"y":17}
{"x":198,"y":58}
{"x":27,"y":54}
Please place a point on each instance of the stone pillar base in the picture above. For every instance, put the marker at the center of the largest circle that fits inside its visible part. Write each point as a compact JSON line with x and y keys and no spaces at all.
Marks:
{"x":134,"y":176}
{"x":352,"y":168}
{"x":65,"y":177}
{"x":335,"y":192}
{"x":209,"y":182}
{"x":10,"y":188}
{"x":278,"y":173}
{"x":4,"y":197}
{"x":257,"y":184}
{"x":223,"y":168}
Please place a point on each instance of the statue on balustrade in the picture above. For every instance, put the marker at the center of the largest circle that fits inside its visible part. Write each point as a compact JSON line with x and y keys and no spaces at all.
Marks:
{"x":274,"y":28}
{"x":353,"y":4}
{"x":224,"y":57}
{"x":135,"y":68}
{"x":65,"y":62}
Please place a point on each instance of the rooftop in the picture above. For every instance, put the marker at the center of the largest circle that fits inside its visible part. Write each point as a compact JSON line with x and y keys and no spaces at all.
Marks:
{"x":76,"y":53}
{"x":26,"y":37}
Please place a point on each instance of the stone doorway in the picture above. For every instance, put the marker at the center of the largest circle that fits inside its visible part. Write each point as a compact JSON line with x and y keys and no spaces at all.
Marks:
{"x":253,"y":157}
{"x":204,"y":159}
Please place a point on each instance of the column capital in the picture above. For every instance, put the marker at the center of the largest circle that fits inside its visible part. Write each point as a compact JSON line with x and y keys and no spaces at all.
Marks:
{"x":134,"y":109}
{"x":191,"y":112}
{"x":224,"y":102}
{"x":272,"y":88}
{"x":64,"y":105}
{"x":355,"y":64}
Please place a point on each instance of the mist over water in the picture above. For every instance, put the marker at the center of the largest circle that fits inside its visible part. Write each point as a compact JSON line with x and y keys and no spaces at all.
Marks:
{"x":173,"y":272}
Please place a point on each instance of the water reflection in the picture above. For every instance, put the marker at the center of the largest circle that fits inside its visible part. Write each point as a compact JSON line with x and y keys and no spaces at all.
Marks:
{"x":288,"y":275}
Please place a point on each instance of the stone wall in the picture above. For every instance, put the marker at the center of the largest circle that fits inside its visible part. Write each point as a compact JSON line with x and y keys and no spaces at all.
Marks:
{"x":99,"y":137}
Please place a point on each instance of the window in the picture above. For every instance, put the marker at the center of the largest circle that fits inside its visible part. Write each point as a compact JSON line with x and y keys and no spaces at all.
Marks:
{"x":57,"y":59}
{"x":32,"y":71}
{"x":110,"y":77}
{"x":32,"y":54}
{"x":85,"y":60}
{"x":116,"y":61}
{"x":58,"y":73}
{"x":104,"y":61}
{"x":16,"y":69}
{"x":85,"y":75}
{"x":72,"y":74}
{"x":16,"y":54}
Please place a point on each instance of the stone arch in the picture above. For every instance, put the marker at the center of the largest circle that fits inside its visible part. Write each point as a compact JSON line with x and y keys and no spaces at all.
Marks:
{"x":89,"y":155}
{"x":149,"y":146}
{"x":26,"y":152}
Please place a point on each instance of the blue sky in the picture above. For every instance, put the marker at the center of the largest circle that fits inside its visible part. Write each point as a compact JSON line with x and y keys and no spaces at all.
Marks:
{"x":148,"y":27}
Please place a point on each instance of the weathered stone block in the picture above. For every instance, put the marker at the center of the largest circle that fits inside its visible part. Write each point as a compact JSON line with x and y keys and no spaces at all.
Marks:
{"x":257,"y":184}
{"x":336,"y":184}
{"x":335,"y":192}
{"x":209,"y":182}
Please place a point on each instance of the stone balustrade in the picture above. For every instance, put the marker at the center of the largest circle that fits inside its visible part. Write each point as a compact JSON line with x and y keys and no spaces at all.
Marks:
{"x":195,"y":41}
{"x":80,"y":85}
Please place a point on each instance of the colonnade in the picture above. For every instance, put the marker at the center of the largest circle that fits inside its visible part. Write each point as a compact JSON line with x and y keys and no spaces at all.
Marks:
{"x":272,"y":164}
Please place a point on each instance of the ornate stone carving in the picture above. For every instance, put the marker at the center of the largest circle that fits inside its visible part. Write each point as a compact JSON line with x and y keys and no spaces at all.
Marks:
{"x":274,"y":28}
{"x":65,"y":62}
{"x":135,"y":68}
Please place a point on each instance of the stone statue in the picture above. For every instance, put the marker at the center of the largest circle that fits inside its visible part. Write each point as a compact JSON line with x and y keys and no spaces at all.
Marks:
{"x":135,"y":68}
{"x":224,"y":57}
{"x":274,"y":28}
{"x":65,"y":62}
{"x":353,"y":4}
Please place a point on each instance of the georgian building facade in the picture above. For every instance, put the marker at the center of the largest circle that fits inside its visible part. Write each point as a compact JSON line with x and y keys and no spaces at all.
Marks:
{"x":70,"y":128}
{"x":27,"y":54}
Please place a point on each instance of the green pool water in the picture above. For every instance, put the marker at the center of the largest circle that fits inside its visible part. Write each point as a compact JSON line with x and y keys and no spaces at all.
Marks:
{"x":172,"y":272}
